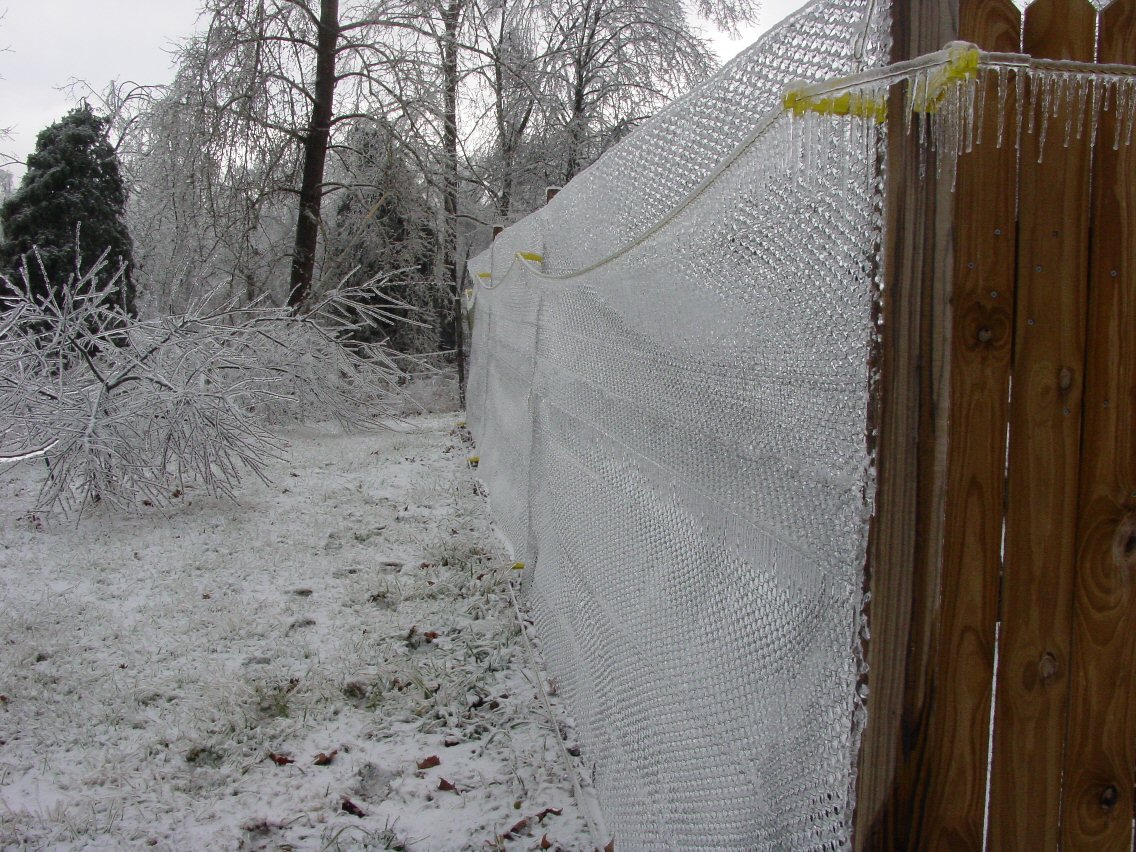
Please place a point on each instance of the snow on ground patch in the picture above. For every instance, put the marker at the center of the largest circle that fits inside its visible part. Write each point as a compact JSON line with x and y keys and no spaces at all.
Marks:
{"x":332,"y":663}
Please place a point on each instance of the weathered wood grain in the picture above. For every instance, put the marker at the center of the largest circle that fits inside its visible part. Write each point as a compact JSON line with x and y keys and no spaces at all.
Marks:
{"x":948,"y":779}
{"x":1045,"y":435}
{"x":922,"y":772}
{"x":1101,"y":749}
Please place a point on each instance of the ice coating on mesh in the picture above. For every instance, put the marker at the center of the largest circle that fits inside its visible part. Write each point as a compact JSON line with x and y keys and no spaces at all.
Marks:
{"x":674,"y":443}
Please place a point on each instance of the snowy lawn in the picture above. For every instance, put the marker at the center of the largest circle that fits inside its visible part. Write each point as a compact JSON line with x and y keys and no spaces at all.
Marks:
{"x":333,"y":663}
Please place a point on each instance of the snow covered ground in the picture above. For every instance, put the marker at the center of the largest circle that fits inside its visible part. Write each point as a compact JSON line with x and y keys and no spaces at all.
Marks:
{"x":333,"y":663}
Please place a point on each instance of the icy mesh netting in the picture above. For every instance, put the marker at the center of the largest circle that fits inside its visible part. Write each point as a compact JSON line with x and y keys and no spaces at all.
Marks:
{"x":674,"y":444}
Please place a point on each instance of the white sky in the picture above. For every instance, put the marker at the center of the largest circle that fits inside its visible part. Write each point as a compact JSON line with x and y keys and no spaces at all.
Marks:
{"x":48,"y":43}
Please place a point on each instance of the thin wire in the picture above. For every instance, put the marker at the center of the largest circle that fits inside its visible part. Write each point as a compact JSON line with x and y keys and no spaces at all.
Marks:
{"x":889,"y":73}
{"x":877,"y":76}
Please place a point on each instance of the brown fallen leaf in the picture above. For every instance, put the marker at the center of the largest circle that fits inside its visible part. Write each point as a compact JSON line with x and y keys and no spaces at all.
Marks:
{"x":549,"y":812}
{"x":430,"y":762}
{"x":448,"y":787}
{"x":281,"y":758}
{"x":518,"y":828}
{"x":610,"y":846}
{"x":545,"y":843}
{"x":351,"y":808}
{"x":431,"y":635}
{"x":325,"y":758}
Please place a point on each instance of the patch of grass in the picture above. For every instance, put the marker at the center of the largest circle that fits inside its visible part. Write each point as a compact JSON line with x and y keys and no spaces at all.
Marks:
{"x":351,"y":837}
{"x":204,"y":756}
{"x":273,"y":701}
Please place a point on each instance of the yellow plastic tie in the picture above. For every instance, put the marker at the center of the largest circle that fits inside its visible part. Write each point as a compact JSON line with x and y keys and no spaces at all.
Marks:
{"x":473,"y":461}
{"x":485,"y":275}
{"x":849,"y":103}
{"x":530,"y":256}
{"x":518,"y":566}
{"x":961,"y":65}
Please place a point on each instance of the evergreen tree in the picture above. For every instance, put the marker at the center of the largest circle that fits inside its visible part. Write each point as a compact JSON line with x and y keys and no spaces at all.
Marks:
{"x":383,"y":227}
{"x":69,"y":206}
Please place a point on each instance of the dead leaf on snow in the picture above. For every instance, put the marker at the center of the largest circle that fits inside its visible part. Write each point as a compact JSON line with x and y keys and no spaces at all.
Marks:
{"x":430,"y":762}
{"x":325,"y":758}
{"x":281,"y":758}
{"x":351,"y":808}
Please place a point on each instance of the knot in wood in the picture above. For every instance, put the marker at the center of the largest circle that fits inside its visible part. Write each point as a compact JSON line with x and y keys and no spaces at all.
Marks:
{"x":1124,"y":543}
{"x":984,"y":335}
{"x":1047,"y":666}
{"x":1065,"y":378}
{"x":1109,"y":797}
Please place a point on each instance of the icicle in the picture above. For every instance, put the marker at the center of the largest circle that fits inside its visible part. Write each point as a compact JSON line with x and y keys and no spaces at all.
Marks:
{"x":1085,"y":94}
{"x":807,"y":152}
{"x":1020,"y":93}
{"x":911,"y":98}
{"x":1118,"y":112}
{"x":847,"y":148}
{"x":872,"y":134}
{"x":1129,"y":113}
{"x":980,"y":105}
{"x":1003,"y":93}
{"x":1047,"y":98}
{"x":1094,"y":111}
{"x":971,"y":89}
{"x":1070,"y":90}
{"x":791,"y":146}
{"x":1039,"y":99}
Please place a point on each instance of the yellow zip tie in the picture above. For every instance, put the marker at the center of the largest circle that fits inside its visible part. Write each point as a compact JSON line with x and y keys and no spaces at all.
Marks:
{"x":473,"y":461}
{"x":485,"y":275}
{"x":530,"y":256}
{"x":518,"y":566}
{"x":849,"y":103}
{"x":962,"y":65}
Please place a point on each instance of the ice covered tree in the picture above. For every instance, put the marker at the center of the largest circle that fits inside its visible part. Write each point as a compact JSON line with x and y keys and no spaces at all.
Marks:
{"x":383,"y":227}
{"x":617,"y":61}
{"x":69,"y":206}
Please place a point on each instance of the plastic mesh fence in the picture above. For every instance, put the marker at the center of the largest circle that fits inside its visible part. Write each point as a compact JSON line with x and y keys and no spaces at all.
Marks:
{"x":674,"y":443}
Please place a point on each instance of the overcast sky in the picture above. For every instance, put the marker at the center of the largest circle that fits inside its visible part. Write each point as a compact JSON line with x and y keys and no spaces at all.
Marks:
{"x":49,"y":43}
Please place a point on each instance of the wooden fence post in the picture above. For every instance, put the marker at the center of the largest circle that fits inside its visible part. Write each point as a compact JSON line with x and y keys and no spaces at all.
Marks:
{"x":935,"y":543}
{"x":1100,"y":755}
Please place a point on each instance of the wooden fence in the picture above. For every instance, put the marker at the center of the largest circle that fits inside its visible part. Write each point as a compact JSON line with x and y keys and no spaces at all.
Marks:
{"x":1002,"y":560}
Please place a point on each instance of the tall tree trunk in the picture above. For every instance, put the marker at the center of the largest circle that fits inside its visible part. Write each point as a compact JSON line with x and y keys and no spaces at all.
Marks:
{"x":451,"y":19}
{"x":315,"y":156}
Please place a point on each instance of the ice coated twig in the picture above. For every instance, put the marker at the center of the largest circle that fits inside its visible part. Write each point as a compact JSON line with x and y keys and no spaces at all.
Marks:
{"x":124,"y":412}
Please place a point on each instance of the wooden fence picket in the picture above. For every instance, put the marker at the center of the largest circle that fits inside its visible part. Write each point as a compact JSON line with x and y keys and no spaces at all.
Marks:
{"x":1100,"y":757}
{"x":1031,"y":699}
